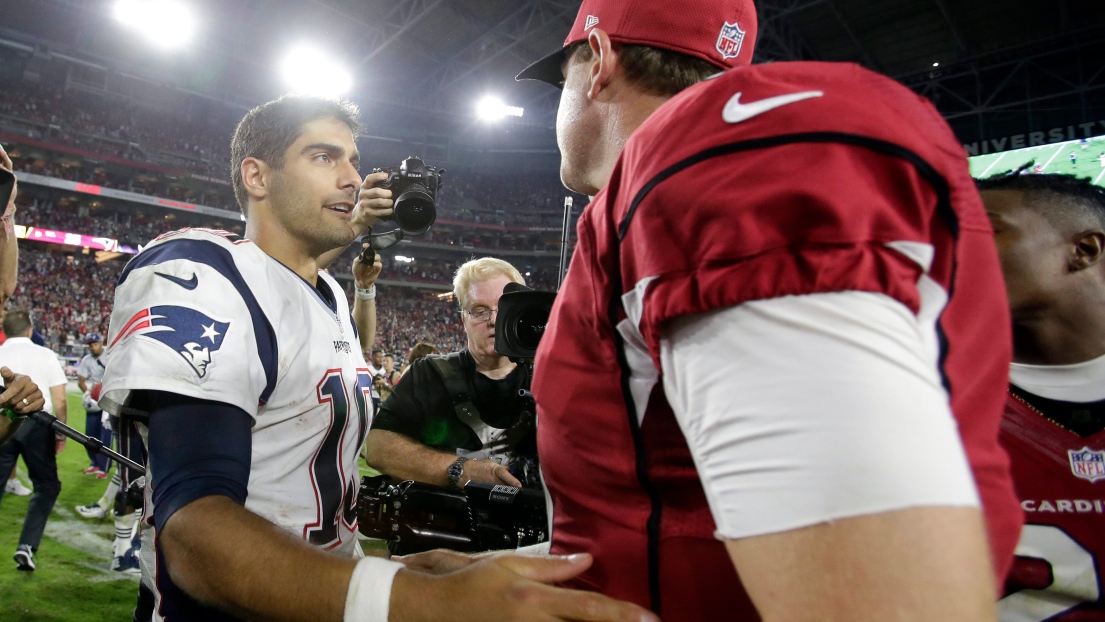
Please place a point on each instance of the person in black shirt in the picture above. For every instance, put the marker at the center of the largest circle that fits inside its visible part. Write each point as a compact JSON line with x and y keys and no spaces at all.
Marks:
{"x":459,"y":417}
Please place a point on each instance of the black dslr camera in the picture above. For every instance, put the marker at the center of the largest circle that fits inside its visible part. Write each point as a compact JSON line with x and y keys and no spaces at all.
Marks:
{"x":415,"y":517}
{"x":414,"y":187}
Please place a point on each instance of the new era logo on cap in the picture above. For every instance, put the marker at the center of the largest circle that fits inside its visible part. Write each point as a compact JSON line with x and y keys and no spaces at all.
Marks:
{"x":592,"y":21}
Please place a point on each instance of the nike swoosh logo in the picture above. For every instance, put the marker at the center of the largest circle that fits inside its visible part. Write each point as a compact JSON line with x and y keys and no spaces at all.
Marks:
{"x":185,"y":283}
{"x":735,"y":111}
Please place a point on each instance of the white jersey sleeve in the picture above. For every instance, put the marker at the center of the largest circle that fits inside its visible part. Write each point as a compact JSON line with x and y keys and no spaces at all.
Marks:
{"x":804,"y":409}
{"x":186,"y":322}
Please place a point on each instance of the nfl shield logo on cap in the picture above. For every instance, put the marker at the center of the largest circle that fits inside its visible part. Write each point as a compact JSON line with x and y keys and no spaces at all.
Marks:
{"x":730,"y":40}
{"x":1087,"y":463}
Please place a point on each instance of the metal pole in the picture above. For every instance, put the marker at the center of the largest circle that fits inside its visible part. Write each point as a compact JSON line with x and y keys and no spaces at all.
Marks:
{"x":44,"y":418}
{"x":565,"y":236}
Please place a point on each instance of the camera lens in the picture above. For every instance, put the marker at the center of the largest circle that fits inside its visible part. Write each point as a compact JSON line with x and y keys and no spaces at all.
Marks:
{"x":530,"y":325}
{"x":414,"y":210}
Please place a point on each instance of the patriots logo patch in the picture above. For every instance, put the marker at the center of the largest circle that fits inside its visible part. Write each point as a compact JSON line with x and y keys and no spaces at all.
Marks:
{"x":190,"y":333}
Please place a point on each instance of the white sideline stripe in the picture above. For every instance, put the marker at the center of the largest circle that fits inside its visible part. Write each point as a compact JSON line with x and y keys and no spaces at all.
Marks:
{"x":88,"y":536}
{"x":994,"y":163}
{"x":1059,"y":148}
{"x":1099,"y":176}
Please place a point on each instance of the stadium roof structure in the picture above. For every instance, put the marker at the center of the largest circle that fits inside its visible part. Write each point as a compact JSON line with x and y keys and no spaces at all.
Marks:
{"x":419,"y":66}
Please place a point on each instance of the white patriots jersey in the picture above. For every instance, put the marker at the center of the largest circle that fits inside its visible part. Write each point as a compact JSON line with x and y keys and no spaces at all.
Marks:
{"x":206,"y":314}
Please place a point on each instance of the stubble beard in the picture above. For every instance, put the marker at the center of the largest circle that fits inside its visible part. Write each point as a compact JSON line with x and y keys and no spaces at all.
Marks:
{"x":299,"y":215}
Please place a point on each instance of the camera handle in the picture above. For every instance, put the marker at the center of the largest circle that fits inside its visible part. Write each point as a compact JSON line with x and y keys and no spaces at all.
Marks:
{"x":379,"y":242}
{"x":46,"y":419}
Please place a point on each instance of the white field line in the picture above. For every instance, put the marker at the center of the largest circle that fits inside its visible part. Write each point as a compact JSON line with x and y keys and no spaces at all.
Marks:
{"x":993,"y":164}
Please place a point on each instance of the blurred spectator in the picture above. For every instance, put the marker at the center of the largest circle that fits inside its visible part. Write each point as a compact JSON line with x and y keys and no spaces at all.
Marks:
{"x":419,"y":350}
{"x":36,"y":444}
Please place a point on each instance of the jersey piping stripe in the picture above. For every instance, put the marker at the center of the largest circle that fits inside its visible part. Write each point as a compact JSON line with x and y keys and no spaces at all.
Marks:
{"x":614,"y":308}
{"x":218,"y":258}
{"x":926,"y":170}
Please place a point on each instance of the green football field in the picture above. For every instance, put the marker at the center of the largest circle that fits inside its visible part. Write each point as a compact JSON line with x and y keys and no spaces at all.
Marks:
{"x":1054,"y":158}
{"x":72,"y":581}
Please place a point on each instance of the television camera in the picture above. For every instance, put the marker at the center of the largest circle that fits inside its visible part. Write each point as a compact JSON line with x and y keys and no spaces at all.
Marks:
{"x":415,"y":517}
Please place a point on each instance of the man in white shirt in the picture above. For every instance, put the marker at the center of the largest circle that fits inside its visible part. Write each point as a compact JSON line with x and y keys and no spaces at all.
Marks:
{"x":37,"y":444}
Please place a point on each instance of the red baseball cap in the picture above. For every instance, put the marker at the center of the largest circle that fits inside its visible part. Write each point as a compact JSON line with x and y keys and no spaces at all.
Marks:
{"x":721,"y":32}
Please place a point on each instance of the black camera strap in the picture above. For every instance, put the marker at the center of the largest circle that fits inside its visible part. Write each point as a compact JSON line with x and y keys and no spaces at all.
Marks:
{"x":520,"y":436}
{"x":450,"y":369}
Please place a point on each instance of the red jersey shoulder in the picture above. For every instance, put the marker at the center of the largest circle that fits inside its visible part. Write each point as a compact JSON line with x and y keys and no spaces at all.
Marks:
{"x":768,"y":101}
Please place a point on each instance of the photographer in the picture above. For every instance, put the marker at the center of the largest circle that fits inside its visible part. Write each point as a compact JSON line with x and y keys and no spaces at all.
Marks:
{"x":459,"y":418}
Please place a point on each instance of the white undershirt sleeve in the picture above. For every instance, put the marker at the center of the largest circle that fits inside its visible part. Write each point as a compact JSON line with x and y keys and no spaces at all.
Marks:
{"x":805,"y":409}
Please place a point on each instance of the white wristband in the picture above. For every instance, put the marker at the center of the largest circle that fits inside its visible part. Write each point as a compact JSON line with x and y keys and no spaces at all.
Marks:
{"x":542,"y":548}
{"x":367,"y":294}
{"x":369,"y":595}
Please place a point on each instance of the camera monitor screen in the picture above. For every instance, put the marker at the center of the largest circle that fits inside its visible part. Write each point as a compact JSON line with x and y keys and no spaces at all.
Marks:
{"x":1081,"y":158}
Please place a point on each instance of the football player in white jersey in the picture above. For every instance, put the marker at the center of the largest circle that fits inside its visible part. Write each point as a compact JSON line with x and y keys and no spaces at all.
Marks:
{"x":244,"y":354}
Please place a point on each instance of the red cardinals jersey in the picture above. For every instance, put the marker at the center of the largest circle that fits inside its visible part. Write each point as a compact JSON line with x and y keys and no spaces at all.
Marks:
{"x":766,"y":181}
{"x":1060,"y":478}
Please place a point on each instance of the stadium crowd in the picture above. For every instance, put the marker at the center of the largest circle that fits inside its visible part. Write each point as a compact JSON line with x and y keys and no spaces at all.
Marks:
{"x":406,"y":316}
{"x":69,"y":296}
{"x":130,"y":228}
{"x":199,"y":152}
{"x":117,"y":128}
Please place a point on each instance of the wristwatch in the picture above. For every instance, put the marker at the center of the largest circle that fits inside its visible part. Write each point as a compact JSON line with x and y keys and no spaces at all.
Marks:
{"x":454,"y":472}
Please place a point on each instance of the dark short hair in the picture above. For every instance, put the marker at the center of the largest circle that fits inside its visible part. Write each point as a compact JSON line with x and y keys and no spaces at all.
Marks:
{"x":268,"y":130}
{"x":1052,"y":193}
{"x":654,"y":71}
{"x":17,"y":322}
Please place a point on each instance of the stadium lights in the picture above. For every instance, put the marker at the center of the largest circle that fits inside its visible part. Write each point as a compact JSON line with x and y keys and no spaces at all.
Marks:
{"x":403,"y":259}
{"x":166,"y":24}
{"x":493,"y":109}
{"x":311,"y":71}
{"x":936,"y":64}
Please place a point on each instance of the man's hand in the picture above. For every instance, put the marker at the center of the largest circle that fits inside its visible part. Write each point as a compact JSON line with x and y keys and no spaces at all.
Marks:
{"x":514,"y":587}
{"x":365,"y":274}
{"x":488,"y":472}
{"x":59,"y":444}
{"x":21,"y":395}
{"x":372,"y":203}
{"x":443,"y":561}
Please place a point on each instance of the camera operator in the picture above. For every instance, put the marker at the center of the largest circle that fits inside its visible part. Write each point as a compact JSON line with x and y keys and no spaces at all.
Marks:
{"x":459,"y":418}
{"x":21,"y":396}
